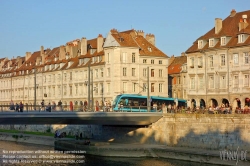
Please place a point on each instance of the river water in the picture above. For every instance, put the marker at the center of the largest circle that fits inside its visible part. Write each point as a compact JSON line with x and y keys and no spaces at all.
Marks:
{"x":19,"y":154}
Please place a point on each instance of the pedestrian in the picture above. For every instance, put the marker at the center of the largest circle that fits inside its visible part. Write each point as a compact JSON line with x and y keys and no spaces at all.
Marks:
{"x":97,"y":105}
{"x":71,"y":106}
{"x":48,"y":108}
{"x":85,"y":104}
{"x":17,"y":107}
{"x":12,"y":106}
{"x":21,"y":107}
{"x":42,"y":105}
{"x":53,"y":106}
{"x":60,"y":104}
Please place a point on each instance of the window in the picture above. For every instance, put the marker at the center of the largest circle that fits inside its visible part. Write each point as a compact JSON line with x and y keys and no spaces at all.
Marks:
{"x":152,"y":87}
{"x":124,"y":87}
{"x":108,"y":72}
{"x":152,"y":61}
{"x":70,"y":90}
{"x":53,"y":91}
{"x":133,"y":57}
{"x":108,"y":88}
{"x":246,"y":80}
{"x":201,"y":83}
{"x":96,"y":73}
{"x":223,"y":82}
{"x":241,"y":38}
{"x":108,"y":57}
{"x":160,"y":72}
{"x":65,"y":76}
{"x":246,"y":57}
{"x":211,"y":81}
{"x":134,"y":87}
{"x":236,"y":81}
{"x":236,"y":59}
{"x":200,"y":62}
{"x":160,"y":87}
{"x":144,"y":60}
{"x":192,"y":62}
{"x":160,"y":61}
{"x":76,"y":89}
{"x":64,"y":90}
{"x":211,"y":61}
{"x":133,"y":71}
{"x":124,"y":71}
{"x":192,"y":81}
{"x":223,"y":41}
{"x":200,"y":44}
{"x":152,"y":72}
{"x":144,"y":87}
{"x":144,"y":72}
{"x":211,"y":42}
{"x":101,"y":72}
{"x":124,"y":57}
{"x":70,"y":76}
{"x":59,"y":90}
{"x":222,"y":60}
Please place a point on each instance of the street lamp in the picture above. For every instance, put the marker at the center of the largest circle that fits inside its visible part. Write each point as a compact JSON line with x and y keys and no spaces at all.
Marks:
{"x":148,"y":96}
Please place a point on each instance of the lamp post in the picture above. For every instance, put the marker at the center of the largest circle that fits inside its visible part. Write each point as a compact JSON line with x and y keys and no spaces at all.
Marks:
{"x":34,"y":89}
{"x":89,"y":86}
{"x":148,"y":96}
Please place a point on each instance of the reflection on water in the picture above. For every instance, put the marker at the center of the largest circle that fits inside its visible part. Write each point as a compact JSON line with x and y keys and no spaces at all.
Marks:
{"x":95,"y":160}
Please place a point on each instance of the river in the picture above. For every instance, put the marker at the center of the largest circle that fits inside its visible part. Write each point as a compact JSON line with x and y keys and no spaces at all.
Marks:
{"x":10,"y":149}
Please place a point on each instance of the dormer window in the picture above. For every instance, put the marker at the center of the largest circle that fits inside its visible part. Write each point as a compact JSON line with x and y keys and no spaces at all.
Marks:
{"x":242,"y":38}
{"x":223,"y":41}
{"x":211,"y":42}
{"x":150,"y":49}
{"x":200,"y":44}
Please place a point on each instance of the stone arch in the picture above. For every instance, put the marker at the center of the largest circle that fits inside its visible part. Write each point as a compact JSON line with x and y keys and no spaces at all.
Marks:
{"x":202,"y":103}
{"x":213,"y":103}
{"x":193,"y":103}
{"x":225,"y":102}
{"x":236,"y":103}
{"x":247,"y":101}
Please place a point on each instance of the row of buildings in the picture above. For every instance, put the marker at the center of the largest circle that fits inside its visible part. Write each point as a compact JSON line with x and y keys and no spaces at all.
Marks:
{"x":214,"y":70}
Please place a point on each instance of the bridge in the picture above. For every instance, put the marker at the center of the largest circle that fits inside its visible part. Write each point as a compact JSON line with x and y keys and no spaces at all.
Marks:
{"x":99,"y":118}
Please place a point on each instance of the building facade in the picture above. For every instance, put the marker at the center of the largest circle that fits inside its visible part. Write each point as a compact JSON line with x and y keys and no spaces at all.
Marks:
{"x":219,"y":65}
{"x":71,"y":72}
{"x":177,"y":77}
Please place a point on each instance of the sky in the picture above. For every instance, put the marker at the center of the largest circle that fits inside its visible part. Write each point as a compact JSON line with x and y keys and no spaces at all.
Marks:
{"x":27,"y":25}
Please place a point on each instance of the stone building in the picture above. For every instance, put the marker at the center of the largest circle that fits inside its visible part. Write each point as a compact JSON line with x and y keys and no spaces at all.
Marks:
{"x":177,"y":77}
{"x":219,"y":65}
{"x":117,"y":64}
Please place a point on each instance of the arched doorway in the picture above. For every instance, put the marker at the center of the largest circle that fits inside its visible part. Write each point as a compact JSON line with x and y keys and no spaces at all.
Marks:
{"x":214,"y":103}
{"x":193,"y":104}
{"x":247,"y":102}
{"x":225,"y":102}
{"x":238,"y":102}
{"x":202,"y":104}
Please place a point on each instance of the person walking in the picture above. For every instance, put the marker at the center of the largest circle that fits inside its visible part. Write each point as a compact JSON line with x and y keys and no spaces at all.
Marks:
{"x":17,"y":107}
{"x":71,"y":106}
{"x":12,"y":106}
{"x":42,"y":105}
{"x":60,"y":105}
{"x":21,"y":107}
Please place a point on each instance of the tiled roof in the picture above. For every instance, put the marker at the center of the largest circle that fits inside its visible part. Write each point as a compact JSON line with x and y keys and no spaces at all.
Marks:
{"x":175,"y":66}
{"x":230,"y":27}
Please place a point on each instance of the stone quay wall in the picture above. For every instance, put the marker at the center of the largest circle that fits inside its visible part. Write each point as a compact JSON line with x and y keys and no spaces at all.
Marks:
{"x":203,"y":131}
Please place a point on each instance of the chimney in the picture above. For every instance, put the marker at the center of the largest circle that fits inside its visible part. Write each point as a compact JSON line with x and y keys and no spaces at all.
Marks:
{"x":62,"y":53}
{"x":218,"y":25}
{"x":233,"y":12}
{"x":99,"y":43}
{"x":243,"y":22}
{"x":83,"y":46}
{"x":150,"y":38}
{"x":27,"y":56}
{"x":73,"y":51}
{"x":140,"y":33}
{"x":42,"y":54}
{"x":183,"y":54}
{"x":114,"y":31}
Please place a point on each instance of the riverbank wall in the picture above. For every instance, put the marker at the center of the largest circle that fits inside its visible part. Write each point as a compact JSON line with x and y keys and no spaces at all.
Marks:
{"x":203,"y":131}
